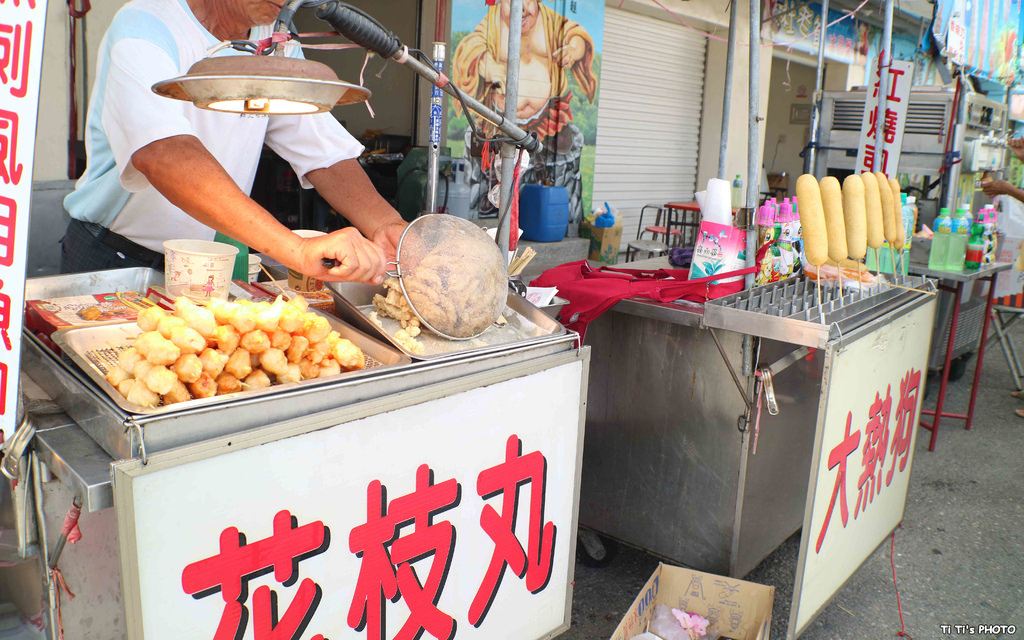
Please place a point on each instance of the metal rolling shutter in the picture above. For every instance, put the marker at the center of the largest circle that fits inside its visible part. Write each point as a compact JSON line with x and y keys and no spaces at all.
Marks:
{"x":649,"y":115}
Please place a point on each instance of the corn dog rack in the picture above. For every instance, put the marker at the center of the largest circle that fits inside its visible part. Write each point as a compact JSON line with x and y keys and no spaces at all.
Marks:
{"x":791,"y":311}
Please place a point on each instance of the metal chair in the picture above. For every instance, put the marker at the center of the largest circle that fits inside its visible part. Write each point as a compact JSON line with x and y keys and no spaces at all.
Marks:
{"x":662,"y":224}
{"x":652,"y":247}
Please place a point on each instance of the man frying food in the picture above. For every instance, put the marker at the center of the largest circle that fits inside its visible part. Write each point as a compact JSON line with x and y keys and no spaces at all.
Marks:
{"x":160,"y":169}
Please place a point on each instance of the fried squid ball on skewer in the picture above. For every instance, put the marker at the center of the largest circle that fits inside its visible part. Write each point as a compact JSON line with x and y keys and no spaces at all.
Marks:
{"x":168,"y":324}
{"x":226,"y":338}
{"x":213,"y":362}
{"x":142,"y":367}
{"x":291,"y":374}
{"x":141,"y":395}
{"x":221,"y":309}
{"x":269,"y":318}
{"x":255,"y":341}
{"x":280,"y":340}
{"x":227,"y":383}
{"x":329,"y":367}
{"x":239,"y":364}
{"x":117,"y":375}
{"x":316,"y":327}
{"x":257,"y":380}
{"x":156,"y":348}
{"x":291,"y":319}
{"x":308,"y":369}
{"x":178,"y":393}
{"x":128,"y":358}
{"x":149,"y":318}
{"x":200,"y":319}
{"x":160,"y":379}
{"x":348,"y":355}
{"x":125,"y":386}
{"x":243,"y":318}
{"x":188,"y":340}
{"x":188,"y":367}
{"x":299,"y":303}
{"x":204,"y":387}
{"x":274,"y":361}
{"x":297,"y":349}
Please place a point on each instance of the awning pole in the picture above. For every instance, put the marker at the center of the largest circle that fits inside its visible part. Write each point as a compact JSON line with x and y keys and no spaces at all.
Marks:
{"x":884,"y":61}
{"x":508,"y":150}
{"x":753,"y":125}
{"x":730,"y":59}
{"x":812,"y":146}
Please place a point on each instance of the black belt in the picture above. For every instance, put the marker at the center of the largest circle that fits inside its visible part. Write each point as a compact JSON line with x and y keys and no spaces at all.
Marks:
{"x":123,"y":245}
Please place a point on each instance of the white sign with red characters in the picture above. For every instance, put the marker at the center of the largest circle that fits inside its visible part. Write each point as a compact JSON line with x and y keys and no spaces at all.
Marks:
{"x":22,"y":24}
{"x":901,"y":78}
{"x":863,"y":450}
{"x":451,"y":518}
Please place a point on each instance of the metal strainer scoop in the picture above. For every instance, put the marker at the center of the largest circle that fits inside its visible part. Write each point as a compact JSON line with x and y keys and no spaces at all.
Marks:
{"x":453,"y":275}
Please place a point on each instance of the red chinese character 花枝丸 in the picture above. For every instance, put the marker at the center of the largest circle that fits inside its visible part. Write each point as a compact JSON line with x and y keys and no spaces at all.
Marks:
{"x":906,"y":420}
{"x":10,"y":168}
{"x":230,"y":570}
{"x":837,"y":458}
{"x":508,"y":478}
{"x":386,"y":569}
{"x":15,"y":45}
{"x":876,"y":443}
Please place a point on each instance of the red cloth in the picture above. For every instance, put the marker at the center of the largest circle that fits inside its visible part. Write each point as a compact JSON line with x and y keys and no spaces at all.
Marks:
{"x":591,"y":291}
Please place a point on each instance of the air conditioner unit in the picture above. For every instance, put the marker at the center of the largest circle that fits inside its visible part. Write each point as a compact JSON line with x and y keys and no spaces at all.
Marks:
{"x":924,"y":138}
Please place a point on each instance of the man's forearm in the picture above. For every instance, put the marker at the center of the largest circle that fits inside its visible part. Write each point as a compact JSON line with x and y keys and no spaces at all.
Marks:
{"x":185,"y":172}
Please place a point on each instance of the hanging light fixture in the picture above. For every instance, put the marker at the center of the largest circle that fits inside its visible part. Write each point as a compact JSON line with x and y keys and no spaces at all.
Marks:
{"x":262,"y":84}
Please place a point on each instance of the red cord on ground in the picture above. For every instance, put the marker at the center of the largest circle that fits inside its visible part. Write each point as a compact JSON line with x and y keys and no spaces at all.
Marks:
{"x":899,"y":608}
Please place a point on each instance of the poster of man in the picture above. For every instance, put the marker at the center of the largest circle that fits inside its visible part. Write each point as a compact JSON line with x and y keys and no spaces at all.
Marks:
{"x":557,"y":98}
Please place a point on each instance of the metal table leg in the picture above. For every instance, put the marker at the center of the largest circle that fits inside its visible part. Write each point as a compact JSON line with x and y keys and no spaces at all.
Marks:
{"x":940,"y":402}
{"x":1004,"y":343}
{"x":981,"y":349}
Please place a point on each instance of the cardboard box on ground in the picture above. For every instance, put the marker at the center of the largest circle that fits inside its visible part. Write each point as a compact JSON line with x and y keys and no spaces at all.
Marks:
{"x":604,"y":241}
{"x":735,"y":609}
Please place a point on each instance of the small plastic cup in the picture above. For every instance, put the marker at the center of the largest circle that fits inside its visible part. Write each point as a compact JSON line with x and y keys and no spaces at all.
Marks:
{"x":254,"y":267}
{"x":198,"y":269}
{"x":301,"y":283}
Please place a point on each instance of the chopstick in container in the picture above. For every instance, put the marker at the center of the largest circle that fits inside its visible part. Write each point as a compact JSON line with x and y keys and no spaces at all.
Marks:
{"x":519,"y":262}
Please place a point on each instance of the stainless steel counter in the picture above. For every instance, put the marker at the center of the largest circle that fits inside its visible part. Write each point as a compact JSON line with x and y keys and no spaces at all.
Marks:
{"x":963,"y":275}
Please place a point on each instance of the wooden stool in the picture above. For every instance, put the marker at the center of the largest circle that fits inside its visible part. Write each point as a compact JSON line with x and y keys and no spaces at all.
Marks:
{"x":652,"y":247}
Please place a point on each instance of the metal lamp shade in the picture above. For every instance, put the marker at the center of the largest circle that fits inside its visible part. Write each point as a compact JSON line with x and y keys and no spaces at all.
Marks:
{"x":261,"y":84}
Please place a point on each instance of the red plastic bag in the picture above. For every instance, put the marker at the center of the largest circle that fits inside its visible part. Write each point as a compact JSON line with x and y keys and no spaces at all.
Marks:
{"x":591,"y":291}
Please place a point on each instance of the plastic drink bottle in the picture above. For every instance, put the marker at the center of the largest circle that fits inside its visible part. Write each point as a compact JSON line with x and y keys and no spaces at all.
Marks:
{"x":959,"y":235}
{"x":737,"y":192}
{"x":940,"y":241}
{"x":975,"y":254}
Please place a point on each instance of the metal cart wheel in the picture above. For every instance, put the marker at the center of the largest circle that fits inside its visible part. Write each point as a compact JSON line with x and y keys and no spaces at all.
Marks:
{"x":595,"y":550}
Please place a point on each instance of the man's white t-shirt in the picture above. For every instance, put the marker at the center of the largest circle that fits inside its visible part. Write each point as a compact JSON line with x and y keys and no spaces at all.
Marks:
{"x":154,"y":40}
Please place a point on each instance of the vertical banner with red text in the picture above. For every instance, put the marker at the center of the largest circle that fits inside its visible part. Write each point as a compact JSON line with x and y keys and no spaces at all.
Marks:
{"x":22,"y":24}
{"x":894,"y":120}
{"x":863,"y":453}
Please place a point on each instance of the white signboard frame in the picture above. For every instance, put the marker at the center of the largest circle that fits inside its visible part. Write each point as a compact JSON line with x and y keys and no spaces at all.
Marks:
{"x":443,"y":471}
{"x":863,"y":453}
{"x":901,"y":79}
{"x":22,"y":29}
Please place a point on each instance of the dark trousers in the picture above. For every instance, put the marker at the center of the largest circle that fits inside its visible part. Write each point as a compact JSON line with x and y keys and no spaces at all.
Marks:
{"x":90,"y":247}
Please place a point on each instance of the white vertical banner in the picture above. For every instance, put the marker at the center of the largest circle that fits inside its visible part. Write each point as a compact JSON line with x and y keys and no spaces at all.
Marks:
{"x":901,"y":78}
{"x":22,"y":24}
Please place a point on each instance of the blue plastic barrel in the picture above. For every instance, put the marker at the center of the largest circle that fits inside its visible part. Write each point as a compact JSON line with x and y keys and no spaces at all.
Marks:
{"x":543,"y":212}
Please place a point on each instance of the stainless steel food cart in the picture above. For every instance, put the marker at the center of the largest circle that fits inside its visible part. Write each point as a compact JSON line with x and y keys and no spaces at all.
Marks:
{"x":470,"y":463}
{"x":674,"y":463}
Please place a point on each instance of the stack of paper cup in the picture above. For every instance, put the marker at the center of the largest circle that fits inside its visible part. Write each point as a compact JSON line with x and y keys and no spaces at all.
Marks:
{"x":199,"y":269}
{"x":301,"y":283}
{"x":717,"y":206}
{"x":254,"y":267}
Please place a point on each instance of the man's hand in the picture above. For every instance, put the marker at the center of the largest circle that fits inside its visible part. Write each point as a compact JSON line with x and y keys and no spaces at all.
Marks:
{"x":1016,"y":145}
{"x":993,"y":188}
{"x":359,"y":259}
{"x":387,"y":236}
{"x":571,"y":53}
